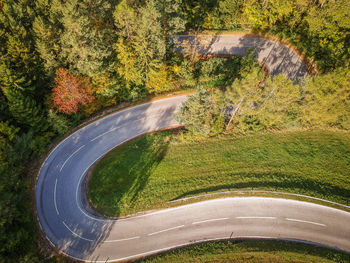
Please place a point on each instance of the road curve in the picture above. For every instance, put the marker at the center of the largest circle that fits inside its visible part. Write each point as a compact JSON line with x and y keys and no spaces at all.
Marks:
{"x":277,"y":57}
{"x":71,"y":226}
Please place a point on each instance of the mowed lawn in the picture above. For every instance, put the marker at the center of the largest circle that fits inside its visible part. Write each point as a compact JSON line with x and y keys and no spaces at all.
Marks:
{"x":153,"y":169}
{"x":252,"y":252}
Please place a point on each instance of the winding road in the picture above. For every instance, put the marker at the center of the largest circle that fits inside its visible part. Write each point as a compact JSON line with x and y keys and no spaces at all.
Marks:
{"x":75,"y":230}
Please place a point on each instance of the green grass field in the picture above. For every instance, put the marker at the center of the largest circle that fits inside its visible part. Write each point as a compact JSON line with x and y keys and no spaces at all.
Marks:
{"x":147,"y":172}
{"x":251,"y":252}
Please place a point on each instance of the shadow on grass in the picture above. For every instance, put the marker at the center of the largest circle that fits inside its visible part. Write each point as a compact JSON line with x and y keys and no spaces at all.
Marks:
{"x":145,"y":161}
{"x":135,"y":163}
{"x":257,"y":250}
{"x":285,"y":183}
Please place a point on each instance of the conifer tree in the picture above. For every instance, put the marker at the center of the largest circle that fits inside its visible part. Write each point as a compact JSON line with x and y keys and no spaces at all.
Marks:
{"x":17,"y":44}
{"x":279,"y":106}
{"x":326,"y":101}
{"x":172,"y":17}
{"x":195,"y":114}
{"x":141,"y":46}
{"x":23,"y":108}
{"x":75,"y":34}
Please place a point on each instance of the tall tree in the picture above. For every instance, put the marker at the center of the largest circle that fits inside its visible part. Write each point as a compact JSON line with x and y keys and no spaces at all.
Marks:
{"x":330,"y":23}
{"x":172,"y":19}
{"x":160,"y":80}
{"x":140,"y":48}
{"x":203,"y":113}
{"x":326,"y":100}
{"x":22,"y":106}
{"x":266,"y":13}
{"x":279,"y":107}
{"x":197,"y":11}
{"x":76,"y":35}
{"x":226,"y":15}
{"x":17,"y":44}
{"x":71,"y":91}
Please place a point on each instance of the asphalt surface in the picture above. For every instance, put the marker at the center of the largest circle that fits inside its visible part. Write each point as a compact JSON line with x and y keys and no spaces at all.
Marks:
{"x":73,"y":228}
{"x":277,"y":57}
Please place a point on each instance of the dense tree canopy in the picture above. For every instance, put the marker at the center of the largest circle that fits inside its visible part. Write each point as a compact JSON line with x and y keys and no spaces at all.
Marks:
{"x":63,"y":60}
{"x":248,"y":105}
{"x":75,"y":35}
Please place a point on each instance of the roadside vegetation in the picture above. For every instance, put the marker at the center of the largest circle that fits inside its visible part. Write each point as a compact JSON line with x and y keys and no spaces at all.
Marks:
{"x":64,"y":61}
{"x":251,"y":252}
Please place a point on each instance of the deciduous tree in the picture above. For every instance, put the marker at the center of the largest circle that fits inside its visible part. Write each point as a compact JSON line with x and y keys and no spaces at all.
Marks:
{"x":71,"y":91}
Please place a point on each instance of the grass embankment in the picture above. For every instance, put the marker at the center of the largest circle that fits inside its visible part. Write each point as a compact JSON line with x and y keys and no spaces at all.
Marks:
{"x":251,"y":252}
{"x":147,"y":172}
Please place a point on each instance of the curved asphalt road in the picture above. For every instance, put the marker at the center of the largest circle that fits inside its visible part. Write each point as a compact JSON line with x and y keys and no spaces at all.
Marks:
{"x":73,"y":228}
{"x":277,"y":57}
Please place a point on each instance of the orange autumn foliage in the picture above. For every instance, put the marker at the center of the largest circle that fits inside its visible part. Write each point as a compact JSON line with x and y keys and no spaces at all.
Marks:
{"x":71,"y":91}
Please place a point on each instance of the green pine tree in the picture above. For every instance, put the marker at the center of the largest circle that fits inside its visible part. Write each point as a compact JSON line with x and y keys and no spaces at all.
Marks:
{"x":75,"y":34}
{"x":17,"y":44}
{"x":23,"y":108}
{"x":141,"y":46}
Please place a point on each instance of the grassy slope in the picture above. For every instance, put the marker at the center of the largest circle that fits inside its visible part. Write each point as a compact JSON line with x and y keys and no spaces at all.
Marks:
{"x":251,"y":252}
{"x":153,"y":169}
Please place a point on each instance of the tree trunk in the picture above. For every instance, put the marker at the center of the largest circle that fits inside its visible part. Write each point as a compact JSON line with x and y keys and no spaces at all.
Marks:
{"x":234,"y":112}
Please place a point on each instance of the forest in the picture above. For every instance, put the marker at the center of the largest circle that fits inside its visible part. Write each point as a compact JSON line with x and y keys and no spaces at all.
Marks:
{"x":65,"y":61}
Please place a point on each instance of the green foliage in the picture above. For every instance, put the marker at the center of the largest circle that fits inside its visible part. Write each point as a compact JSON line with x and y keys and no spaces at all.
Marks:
{"x":327,"y":100}
{"x":59,"y":123}
{"x":75,"y":34}
{"x":201,"y":113}
{"x":333,"y":33}
{"x":264,"y":14}
{"x":141,"y":49}
{"x":195,"y":112}
{"x":128,"y":66}
{"x":109,"y":89}
{"x":160,"y":80}
{"x":172,"y":20}
{"x":271,"y":106}
{"x":23,"y":108}
{"x":196,"y":12}
{"x":187,"y":73}
{"x":276,"y":104}
{"x":221,"y":72}
{"x":17,"y":45}
{"x":7,"y":131}
{"x":227,"y":14}
{"x":17,"y":235}
{"x":280,"y":108}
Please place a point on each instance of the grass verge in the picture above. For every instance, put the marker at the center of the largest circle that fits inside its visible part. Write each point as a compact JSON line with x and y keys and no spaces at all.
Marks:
{"x":251,"y":252}
{"x":151,"y":170}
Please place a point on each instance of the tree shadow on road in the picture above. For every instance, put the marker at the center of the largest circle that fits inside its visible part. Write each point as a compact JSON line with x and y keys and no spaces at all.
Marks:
{"x":83,"y":234}
{"x":122,"y":175}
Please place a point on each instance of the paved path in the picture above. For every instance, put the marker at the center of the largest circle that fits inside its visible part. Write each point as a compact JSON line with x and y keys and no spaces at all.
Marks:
{"x":277,"y":57}
{"x":72,"y":227}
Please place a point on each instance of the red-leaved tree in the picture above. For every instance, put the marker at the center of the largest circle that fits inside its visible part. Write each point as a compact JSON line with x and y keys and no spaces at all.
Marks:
{"x":71,"y":91}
